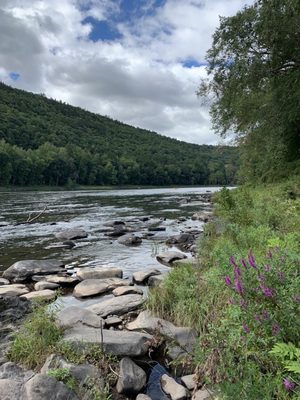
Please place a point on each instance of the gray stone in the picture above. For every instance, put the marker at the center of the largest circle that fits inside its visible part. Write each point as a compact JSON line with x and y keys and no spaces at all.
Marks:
{"x":117,"y":305}
{"x":42,"y":285}
{"x":189,"y":381}
{"x":10,"y":370}
{"x":21,"y":270}
{"x":172,"y":388}
{"x":45,"y":294}
{"x":203,"y":394}
{"x":42,"y":387}
{"x":122,"y":290}
{"x":142,"y":276}
{"x":120,"y":343}
{"x":99,"y":273}
{"x":71,"y":234}
{"x":13,"y":290}
{"x":143,"y":397}
{"x":10,"y":389}
{"x":113,"y":321}
{"x":4,"y":281}
{"x":204,"y":216}
{"x":73,"y":315}
{"x":59,"y":279}
{"x":118,"y":230}
{"x":130,"y":240}
{"x":131,"y":377}
{"x":168,"y":257}
{"x":93,"y":287}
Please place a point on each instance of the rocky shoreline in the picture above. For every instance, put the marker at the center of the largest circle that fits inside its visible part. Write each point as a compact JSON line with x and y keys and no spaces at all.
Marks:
{"x":147,"y":347}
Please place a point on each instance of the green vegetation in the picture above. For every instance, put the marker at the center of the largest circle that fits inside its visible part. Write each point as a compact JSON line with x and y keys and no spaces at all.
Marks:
{"x":254,"y":64}
{"x":244,"y":298}
{"x":46,"y":142}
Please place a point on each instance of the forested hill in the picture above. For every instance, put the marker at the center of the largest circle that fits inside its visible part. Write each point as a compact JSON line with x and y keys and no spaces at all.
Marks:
{"x":44,"y":141}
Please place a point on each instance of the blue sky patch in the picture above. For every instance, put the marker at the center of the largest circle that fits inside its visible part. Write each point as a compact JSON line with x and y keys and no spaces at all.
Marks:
{"x":193,"y":63}
{"x":14,"y":76}
{"x":102,"y":30}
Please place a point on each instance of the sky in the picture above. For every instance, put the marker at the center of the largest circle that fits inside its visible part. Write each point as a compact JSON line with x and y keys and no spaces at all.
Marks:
{"x":137,"y":61}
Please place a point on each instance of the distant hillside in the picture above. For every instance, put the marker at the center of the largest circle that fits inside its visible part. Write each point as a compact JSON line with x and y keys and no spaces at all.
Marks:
{"x":44,"y":141}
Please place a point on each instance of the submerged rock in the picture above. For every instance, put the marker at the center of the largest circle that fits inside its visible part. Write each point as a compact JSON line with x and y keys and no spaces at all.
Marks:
{"x":21,"y":270}
{"x":117,"y":305}
{"x":71,"y":234}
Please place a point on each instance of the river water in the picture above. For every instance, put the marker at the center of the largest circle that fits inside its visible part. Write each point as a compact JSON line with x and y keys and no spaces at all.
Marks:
{"x":91,"y":210}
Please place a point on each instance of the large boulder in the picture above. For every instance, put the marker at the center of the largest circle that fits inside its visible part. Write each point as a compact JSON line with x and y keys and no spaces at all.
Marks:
{"x":117,"y":305}
{"x":99,"y":273}
{"x":13,"y":290}
{"x":22,"y":270}
{"x":71,"y":234}
{"x":168,"y":257}
{"x":119,"y":343}
{"x":73,"y":315}
{"x":130,"y":240}
{"x":93,"y":287}
{"x":132,"y":378}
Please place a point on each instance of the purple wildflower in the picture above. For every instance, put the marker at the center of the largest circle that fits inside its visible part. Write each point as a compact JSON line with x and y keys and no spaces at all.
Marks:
{"x":246,"y":328}
{"x":296,"y":298}
{"x":227,"y":280}
{"x":261,"y":277}
{"x":252,"y":261}
{"x":289,"y":385}
{"x":265,"y":315}
{"x":244,"y":263}
{"x":267,"y":268}
{"x":267,"y":291}
{"x":275,"y":329}
{"x":257,"y":317}
{"x":232,"y":261}
{"x":238,"y":286}
{"x":237,"y":271}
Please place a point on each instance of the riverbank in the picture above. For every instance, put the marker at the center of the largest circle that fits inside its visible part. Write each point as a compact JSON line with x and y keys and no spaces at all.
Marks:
{"x":244,"y":297}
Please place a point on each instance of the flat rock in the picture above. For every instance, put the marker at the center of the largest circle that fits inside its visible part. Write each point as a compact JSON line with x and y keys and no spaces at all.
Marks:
{"x":13,"y":290}
{"x":71,"y":234}
{"x":21,"y":270}
{"x":120,"y":343}
{"x":168,"y":257}
{"x":73,"y":315}
{"x":130,"y":240}
{"x":4,"y":281}
{"x":93,"y":287}
{"x":117,"y":305}
{"x":46,"y":285}
{"x":142,"y":276}
{"x":132,"y":378}
{"x":189,"y":381}
{"x":113,"y":321}
{"x":42,"y":387}
{"x":45,"y":294}
{"x":122,"y":290}
{"x":61,"y":279}
{"x":99,"y":273}
{"x":172,"y":388}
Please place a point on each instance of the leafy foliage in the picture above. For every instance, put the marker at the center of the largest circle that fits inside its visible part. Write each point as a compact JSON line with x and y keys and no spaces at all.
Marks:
{"x":43,"y":141}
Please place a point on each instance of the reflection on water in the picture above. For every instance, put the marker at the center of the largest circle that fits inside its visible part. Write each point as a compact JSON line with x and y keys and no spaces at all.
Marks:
{"x":90,"y":210}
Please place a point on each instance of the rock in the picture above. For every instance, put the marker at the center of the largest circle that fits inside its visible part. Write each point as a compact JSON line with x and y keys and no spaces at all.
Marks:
{"x":71,"y":234}
{"x":172,"y":388}
{"x":45,"y":294}
{"x":156,"y":228}
{"x":131,"y":377}
{"x":69,"y":244}
{"x":21,"y":270}
{"x":113,"y":321}
{"x":189,"y":381}
{"x":168,"y":257}
{"x":73,"y":315}
{"x":42,"y":387}
{"x":204,"y":216}
{"x":92,"y":287}
{"x":130,"y":240}
{"x":61,"y":279}
{"x":10,"y":370}
{"x":46,"y":285}
{"x":142,"y":276}
{"x":114,"y":223}
{"x":10,"y":389}
{"x":118,"y":230}
{"x":183,"y":240}
{"x":13,"y":308}
{"x":4,"y":281}
{"x":122,"y":290}
{"x":143,"y":397}
{"x":117,"y":305}
{"x":120,"y":343}
{"x":156,"y":280}
{"x":99,"y":273}
{"x":13,"y":290}
{"x":203,"y":394}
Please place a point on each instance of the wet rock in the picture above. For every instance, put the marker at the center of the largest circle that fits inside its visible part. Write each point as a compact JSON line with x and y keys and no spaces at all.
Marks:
{"x":21,"y":270}
{"x":120,"y":343}
{"x":113,"y":321}
{"x":117,"y":305}
{"x":118,"y":230}
{"x":46,"y":285}
{"x":42,"y":387}
{"x":99,"y":273}
{"x":93,"y":287}
{"x":168,"y":257}
{"x":131,"y":377}
{"x":4,"y":281}
{"x":13,"y":290}
{"x":130,"y":240}
{"x":172,"y":388}
{"x":121,"y":291}
{"x":74,"y":315}
{"x":189,"y":381}
{"x":71,"y":234}
{"x":142,"y":276}
{"x":45,"y":294}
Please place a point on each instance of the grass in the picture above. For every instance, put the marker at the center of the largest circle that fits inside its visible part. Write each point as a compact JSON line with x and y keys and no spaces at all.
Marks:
{"x":234,"y":351}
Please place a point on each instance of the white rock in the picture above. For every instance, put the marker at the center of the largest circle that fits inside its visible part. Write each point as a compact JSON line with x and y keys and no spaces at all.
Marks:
{"x":172,"y":388}
{"x":189,"y":381}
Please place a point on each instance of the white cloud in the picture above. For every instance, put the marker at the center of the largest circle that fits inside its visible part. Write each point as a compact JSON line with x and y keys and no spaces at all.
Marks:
{"x":139,"y":79}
